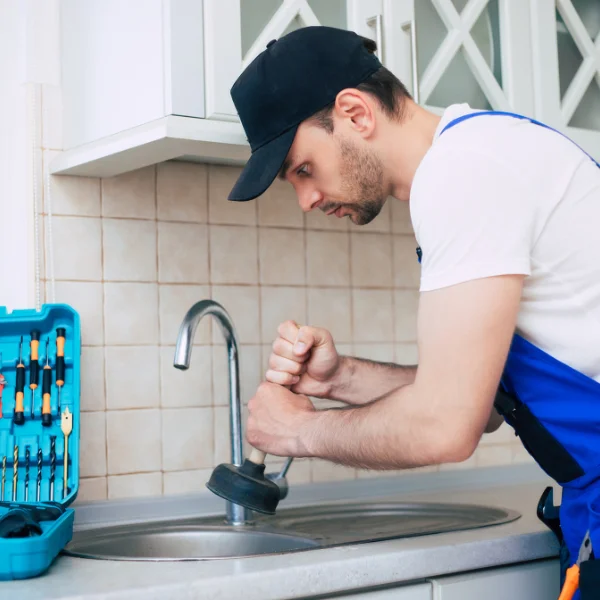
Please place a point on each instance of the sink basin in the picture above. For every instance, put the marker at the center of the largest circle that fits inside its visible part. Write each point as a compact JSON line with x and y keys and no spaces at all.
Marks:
{"x":290,"y":530}
{"x":181,"y":542}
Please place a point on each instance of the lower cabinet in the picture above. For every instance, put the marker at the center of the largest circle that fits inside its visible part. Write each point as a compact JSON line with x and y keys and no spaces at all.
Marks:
{"x":420,"y":591}
{"x":529,"y":581}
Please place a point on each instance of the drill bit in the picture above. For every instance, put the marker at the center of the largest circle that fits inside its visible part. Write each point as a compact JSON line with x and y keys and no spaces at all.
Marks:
{"x":52,"y":464}
{"x":3,"y":476}
{"x":26,"y":473}
{"x":39,"y":474}
{"x":15,"y":473}
{"x":66,"y":426}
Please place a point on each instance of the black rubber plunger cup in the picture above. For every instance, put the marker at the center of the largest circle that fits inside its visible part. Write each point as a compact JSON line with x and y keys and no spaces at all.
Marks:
{"x":246,"y":485}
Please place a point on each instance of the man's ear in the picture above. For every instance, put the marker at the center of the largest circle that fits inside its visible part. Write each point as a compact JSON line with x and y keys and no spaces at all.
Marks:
{"x":355,"y":109}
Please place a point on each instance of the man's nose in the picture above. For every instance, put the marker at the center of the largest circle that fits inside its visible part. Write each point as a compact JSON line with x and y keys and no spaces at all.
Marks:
{"x":309,"y":198}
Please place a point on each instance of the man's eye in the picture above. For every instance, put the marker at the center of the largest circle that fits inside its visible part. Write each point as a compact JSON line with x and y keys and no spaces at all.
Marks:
{"x":302,"y":171}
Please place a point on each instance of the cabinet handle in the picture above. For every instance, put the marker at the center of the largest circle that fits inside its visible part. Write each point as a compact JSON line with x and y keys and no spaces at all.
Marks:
{"x":413,"y":47}
{"x":377,"y":21}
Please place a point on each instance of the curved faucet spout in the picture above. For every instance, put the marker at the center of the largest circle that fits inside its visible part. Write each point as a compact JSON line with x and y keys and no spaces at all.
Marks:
{"x":236,"y":514}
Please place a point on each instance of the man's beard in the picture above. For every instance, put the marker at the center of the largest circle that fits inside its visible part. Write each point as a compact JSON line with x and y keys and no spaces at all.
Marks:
{"x":362,"y":183}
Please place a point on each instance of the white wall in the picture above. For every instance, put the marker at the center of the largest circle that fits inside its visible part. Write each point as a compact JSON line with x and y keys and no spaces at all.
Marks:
{"x":28,"y":56}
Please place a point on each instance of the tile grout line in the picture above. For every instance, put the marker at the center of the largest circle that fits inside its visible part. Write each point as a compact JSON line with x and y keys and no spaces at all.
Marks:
{"x":158,"y":330}
{"x":104,"y":379}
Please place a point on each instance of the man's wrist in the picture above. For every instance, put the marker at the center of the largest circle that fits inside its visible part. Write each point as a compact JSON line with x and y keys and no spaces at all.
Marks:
{"x":340,"y":380}
{"x":310,"y":434}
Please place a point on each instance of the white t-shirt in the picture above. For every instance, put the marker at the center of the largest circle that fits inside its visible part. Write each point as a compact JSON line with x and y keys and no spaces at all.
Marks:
{"x":497,"y":195}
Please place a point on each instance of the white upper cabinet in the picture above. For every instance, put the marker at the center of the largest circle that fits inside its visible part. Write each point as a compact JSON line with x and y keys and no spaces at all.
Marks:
{"x":452,"y":51}
{"x":237,"y":31}
{"x":566,"y":65}
{"x":144,"y":81}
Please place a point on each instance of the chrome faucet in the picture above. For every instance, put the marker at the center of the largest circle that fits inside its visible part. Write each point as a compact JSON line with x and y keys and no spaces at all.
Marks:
{"x":235,"y":513}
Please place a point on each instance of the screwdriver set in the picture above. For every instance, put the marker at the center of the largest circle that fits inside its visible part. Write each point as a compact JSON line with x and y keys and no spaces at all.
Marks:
{"x":39,"y":435}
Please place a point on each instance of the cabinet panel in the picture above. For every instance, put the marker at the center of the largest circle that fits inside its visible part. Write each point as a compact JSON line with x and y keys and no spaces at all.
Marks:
{"x":534,"y":581}
{"x":411,"y":592}
{"x":236,"y":31}
{"x":566,"y":59}
{"x":112,"y":66}
{"x":471,"y":51}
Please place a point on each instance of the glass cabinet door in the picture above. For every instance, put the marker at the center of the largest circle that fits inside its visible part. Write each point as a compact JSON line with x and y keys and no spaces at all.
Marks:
{"x":454,"y":51}
{"x":566,"y":55}
{"x":236,"y":31}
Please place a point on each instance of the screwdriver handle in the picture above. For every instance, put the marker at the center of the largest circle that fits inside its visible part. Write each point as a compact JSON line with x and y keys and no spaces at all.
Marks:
{"x":60,"y":356}
{"x":34,"y":365}
{"x":46,"y":384}
{"x":19,"y":417}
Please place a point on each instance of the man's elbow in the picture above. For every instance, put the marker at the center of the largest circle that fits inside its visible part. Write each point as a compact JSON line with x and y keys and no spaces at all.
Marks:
{"x":455,"y":447}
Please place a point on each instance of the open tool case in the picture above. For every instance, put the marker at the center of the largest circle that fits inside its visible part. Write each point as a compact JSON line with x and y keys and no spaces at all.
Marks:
{"x":37,"y":438}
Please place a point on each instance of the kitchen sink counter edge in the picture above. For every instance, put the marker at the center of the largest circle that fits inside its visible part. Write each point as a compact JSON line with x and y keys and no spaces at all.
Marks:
{"x":348,"y":568}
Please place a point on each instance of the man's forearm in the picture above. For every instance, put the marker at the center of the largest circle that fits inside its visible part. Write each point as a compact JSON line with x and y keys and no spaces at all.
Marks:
{"x":396,"y":432}
{"x":360,"y":381}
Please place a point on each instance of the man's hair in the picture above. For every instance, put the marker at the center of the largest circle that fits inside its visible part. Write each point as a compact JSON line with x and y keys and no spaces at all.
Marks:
{"x":383,"y":85}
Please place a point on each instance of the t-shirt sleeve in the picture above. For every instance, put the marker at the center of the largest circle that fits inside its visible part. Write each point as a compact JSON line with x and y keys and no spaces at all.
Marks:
{"x":473,"y":217}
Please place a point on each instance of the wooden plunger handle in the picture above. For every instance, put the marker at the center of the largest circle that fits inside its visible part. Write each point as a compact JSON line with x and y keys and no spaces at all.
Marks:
{"x":257,"y":457}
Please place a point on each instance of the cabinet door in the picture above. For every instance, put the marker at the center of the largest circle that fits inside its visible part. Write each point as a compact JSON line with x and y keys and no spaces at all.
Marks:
{"x":566,"y":61}
{"x":236,"y":31}
{"x":454,"y":51}
{"x":410,"y":592}
{"x":533,"y":581}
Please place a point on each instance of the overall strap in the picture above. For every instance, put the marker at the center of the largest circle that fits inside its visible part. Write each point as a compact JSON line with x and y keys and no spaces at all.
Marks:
{"x":516,"y":116}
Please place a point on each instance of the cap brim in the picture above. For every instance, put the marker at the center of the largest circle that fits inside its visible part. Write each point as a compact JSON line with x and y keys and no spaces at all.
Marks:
{"x":262,"y":167}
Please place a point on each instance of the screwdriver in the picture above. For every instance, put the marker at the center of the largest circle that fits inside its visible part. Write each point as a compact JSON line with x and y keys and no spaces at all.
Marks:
{"x":2,"y":384}
{"x":19,"y":417}
{"x":60,"y":362}
{"x":66,"y":426}
{"x":34,"y":365}
{"x":46,"y":385}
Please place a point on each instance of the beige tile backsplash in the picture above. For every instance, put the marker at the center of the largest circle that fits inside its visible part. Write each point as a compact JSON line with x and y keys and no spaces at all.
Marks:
{"x":134,"y":252}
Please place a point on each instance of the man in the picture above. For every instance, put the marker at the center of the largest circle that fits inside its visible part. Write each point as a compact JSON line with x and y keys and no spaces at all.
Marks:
{"x":505,"y":212}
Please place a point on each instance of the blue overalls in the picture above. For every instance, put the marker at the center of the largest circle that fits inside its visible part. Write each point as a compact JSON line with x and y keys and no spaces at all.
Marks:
{"x":555,"y":410}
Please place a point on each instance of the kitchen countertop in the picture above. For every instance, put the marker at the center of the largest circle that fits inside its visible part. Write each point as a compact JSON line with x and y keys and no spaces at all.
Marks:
{"x":322,"y":571}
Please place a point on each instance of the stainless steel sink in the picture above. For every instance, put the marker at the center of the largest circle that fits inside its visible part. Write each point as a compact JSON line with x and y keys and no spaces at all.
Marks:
{"x":291,"y":530}
{"x":169,"y":541}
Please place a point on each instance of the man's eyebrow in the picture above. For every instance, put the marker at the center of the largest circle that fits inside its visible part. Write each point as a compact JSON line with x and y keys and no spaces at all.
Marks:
{"x":284,"y":169}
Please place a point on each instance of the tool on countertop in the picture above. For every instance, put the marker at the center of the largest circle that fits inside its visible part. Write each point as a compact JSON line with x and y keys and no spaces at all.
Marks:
{"x":46,"y":385}
{"x":60,"y":362}
{"x":52,"y":464}
{"x":3,"y":475}
{"x":572,"y":576}
{"x":34,"y":365}
{"x":66,"y":426}
{"x":19,"y":417}
{"x":26,"y":473}
{"x":39,"y":475}
{"x":2,"y":384}
{"x":15,"y":472}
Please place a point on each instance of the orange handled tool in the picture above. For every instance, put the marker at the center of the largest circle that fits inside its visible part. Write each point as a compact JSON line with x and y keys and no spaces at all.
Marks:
{"x":19,"y":417}
{"x":571,"y":584}
{"x":46,"y":385}
{"x":34,"y":365}
{"x":60,"y":361}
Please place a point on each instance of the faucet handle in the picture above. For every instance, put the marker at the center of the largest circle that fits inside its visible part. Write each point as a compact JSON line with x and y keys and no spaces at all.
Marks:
{"x":280,"y":478}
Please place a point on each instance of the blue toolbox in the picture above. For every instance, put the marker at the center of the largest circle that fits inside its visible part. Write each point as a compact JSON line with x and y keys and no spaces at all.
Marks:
{"x":39,"y":436}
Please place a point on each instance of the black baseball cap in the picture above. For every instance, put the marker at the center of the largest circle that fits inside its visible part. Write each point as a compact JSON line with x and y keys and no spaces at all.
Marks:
{"x":295,"y":77}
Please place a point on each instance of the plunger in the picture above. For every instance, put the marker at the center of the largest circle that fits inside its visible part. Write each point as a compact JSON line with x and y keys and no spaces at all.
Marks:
{"x":246,"y":485}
